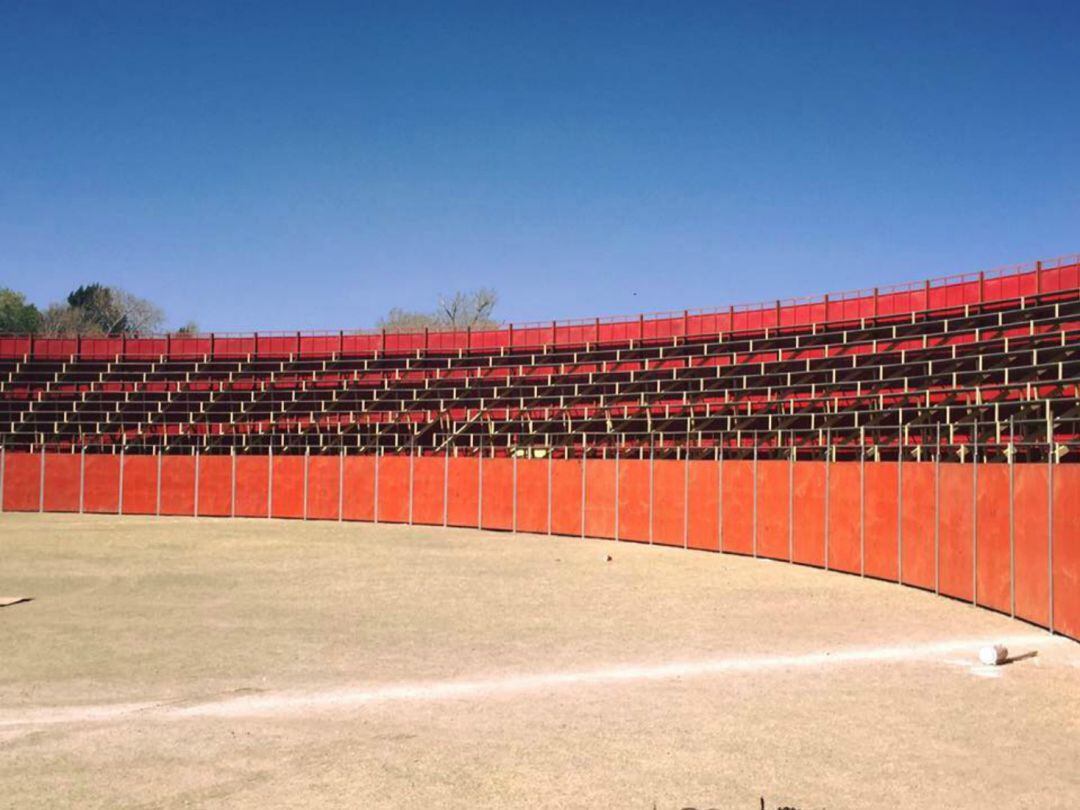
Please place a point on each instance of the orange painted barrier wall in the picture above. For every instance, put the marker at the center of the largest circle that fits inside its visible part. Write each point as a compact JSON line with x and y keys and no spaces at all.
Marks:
{"x":1005,"y":537}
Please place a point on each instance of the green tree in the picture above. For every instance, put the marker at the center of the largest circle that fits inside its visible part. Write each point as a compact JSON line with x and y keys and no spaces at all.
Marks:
{"x":17,"y":316}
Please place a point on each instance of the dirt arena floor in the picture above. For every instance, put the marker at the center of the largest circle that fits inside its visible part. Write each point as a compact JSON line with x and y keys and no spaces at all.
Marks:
{"x":179,"y":663}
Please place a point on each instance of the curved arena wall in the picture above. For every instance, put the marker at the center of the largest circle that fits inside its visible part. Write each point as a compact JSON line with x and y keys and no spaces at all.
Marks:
{"x":1002,"y":536}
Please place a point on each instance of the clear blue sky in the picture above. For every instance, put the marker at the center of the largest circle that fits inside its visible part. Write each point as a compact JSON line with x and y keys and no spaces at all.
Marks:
{"x":310,"y":165}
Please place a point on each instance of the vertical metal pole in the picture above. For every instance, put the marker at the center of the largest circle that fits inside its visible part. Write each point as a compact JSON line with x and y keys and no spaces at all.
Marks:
{"x":232,"y":497}
{"x":514,"y":476}
{"x":480,"y":488}
{"x":791,"y":503}
{"x":82,"y":480}
{"x":446,"y":489}
{"x":412,"y":476}
{"x":551,"y":463}
{"x":375,"y":507}
{"x":617,"y":496}
{"x":584,"y":453}
{"x":157,"y":495}
{"x":270,"y":484}
{"x":651,"y":498}
{"x":828,"y":468}
{"x":3,"y":464}
{"x":198,"y":456}
{"x":307,"y":463}
{"x":753,"y":532}
{"x":720,"y":500}
{"x":1050,"y":524}
{"x":686,"y":501}
{"x":41,"y":482}
{"x":862,"y":505}
{"x":937,"y":513}
{"x":341,"y":484}
{"x":1012,"y":528}
{"x":120,"y":493}
{"x":900,"y":505}
{"x":975,"y":515}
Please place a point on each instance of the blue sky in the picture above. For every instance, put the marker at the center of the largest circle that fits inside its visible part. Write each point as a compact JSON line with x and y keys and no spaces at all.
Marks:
{"x":311,"y":165}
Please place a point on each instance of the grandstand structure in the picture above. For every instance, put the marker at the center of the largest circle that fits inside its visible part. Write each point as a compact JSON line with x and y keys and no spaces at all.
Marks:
{"x":985,"y":364}
{"x":926,"y":434}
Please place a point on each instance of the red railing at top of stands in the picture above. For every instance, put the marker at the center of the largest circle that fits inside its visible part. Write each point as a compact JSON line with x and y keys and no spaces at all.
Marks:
{"x":947,"y":292}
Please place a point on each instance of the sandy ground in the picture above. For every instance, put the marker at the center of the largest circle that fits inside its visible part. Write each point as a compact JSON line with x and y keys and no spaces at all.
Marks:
{"x":177,"y":663}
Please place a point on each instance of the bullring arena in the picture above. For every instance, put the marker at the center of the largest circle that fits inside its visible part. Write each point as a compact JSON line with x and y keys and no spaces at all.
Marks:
{"x":480,"y":569}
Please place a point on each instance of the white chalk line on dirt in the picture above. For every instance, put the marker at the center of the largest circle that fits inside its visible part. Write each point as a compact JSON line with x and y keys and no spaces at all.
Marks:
{"x":286,"y":703}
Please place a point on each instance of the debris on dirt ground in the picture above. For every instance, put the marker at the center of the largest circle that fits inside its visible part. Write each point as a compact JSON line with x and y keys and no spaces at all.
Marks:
{"x":607,"y":558}
{"x":7,"y":601}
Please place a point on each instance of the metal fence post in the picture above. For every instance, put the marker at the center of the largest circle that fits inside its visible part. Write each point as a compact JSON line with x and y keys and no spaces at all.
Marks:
{"x":82,"y":480}
{"x":975,"y":515}
{"x":120,"y":493}
{"x":41,"y":482}
{"x":584,"y":455}
{"x":232,"y":483}
{"x":307,"y":464}
{"x":270,"y":484}
{"x":720,"y":499}
{"x":1050,"y":525}
{"x":157,"y":494}
{"x":1012,"y":527}
{"x":412,"y":463}
{"x":446,"y":489}
{"x":828,"y":491}
{"x":198,"y":457}
{"x":862,"y":503}
{"x":686,"y":501}
{"x":3,"y":464}
{"x":514,"y":476}
{"x":341,"y":484}
{"x":937,"y":513}
{"x":551,"y":465}
{"x":651,"y":497}
{"x":753,"y":524}
{"x":616,"y":496}
{"x":480,"y":487}
{"x":378,"y":454}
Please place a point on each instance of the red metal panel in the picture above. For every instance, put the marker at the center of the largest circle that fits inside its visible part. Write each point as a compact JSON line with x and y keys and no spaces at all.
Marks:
{"x":955,"y":531}
{"x":102,"y":484}
{"x":669,"y":502}
{"x":532,"y":495}
{"x":633,"y":499}
{"x":428,"y":490}
{"x":737,"y":532}
{"x":1067,"y":549}
{"x":394,"y":489}
{"x":358,"y":499}
{"x":215,"y":486}
{"x":22,"y":482}
{"x":917,"y":523}
{"x":252,"y":486}
{"x":1031,"y":511}
{"x":773,"y":508}
{"x":992,"y":537}
{"x":809,"y":529}
{"x":845,"y":483}
{"x":498,"y":493}
{"x":464,"y":492}
{"x":177,"y":485}
{"x":61,"y":482}
{"x":599,"y":498}
{"x":881,"y":541}
{"x":288,"y":487}
{"x":324,"y":475}
{"x":703,"y":531}
{"x":566,"y":497}
{"x":140,"y":484}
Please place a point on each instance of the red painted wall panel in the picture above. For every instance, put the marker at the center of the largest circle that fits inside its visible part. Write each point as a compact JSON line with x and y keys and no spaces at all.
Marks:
{"x":532,"y":495}
{"x":669,"y":502}
{"x":992,"y":537}
{"x":773,"y":508}
{"x":464,"y":492}
{"x":324,"y":475}
{"x":393,"y":489}
{"x":1031,"y":509}
{"x":845,"y":483}
{"x":703,"y":531}
{"x":599,"y":498}
{"x":61,"y":482}
{"x":955,"y":531}
{"x":252,"y":486}
{"x":22,"y":482}
{"x":737,"y":532}
{"x":140,"y":484}
{"x":288,"y":487}
{"x":566,"y":497}
{"x":809,"y":529}
{"x":1067,"y":549}
{"x":428,"y":489}
{"x":102,"y":484}
{"x":634,"y":499}
{"x":917,"y":521}
{"x":497,"y":487}
{"x":178,"y":485}
{"x":881,"y":537}
{"x":358,"y":499}
{"x":215,"y":486}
